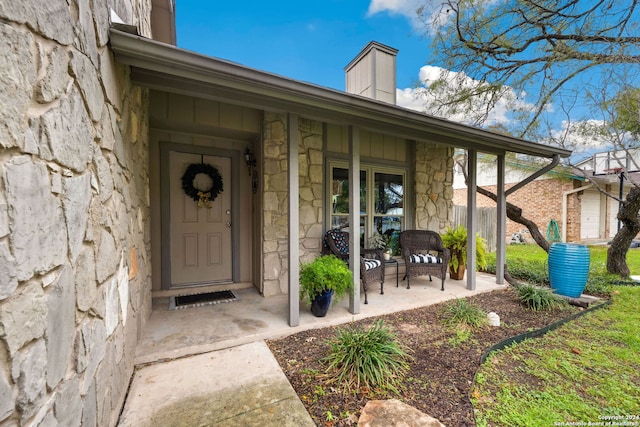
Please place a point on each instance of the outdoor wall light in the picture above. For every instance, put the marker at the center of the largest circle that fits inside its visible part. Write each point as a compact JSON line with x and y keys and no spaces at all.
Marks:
{"x":249,"y":159}
{"x":251,"y":165}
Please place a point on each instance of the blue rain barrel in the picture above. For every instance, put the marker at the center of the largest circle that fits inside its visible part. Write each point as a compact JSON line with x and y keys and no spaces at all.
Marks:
{"x":568,"y":268}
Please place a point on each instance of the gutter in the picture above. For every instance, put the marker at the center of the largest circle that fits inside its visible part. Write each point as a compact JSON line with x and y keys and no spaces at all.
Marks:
{"x":564,"y":208}
{"x":533,"y":176}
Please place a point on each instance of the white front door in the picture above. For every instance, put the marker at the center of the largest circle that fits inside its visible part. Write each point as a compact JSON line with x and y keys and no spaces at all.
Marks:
{"x":200,"y":237}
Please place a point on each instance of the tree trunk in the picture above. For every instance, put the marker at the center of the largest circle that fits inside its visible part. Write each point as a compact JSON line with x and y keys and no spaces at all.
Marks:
{"x":514,"y":213}
{"x":628,"y":215}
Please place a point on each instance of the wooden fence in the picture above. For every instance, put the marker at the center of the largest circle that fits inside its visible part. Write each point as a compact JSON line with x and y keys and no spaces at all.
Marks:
{"x":487,"y":221}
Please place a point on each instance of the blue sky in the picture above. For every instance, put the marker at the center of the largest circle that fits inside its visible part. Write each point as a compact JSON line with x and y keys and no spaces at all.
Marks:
{"x":309,"y":40}
{"x":313,"y":40}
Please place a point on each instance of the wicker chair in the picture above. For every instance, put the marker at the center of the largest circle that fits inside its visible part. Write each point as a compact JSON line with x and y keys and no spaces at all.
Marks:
{"x":336,"y":242}
{"x":424,"y":255}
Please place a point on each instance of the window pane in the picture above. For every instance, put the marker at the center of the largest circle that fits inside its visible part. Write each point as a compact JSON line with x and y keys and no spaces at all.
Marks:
{"x":390,"y":227}
{"x":340,"y":191}
{"x":388,"y":193}
{"x":342,"y":223}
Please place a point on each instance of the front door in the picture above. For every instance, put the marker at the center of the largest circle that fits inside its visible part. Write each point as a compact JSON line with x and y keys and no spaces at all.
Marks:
{"x":200,"y":237}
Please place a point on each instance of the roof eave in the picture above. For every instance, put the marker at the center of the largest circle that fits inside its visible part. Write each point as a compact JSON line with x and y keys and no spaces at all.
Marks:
{"x":170,"y":65}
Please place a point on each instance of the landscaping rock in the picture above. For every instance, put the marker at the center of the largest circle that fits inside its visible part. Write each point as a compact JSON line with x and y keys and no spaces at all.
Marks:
{"x":384,"y":413}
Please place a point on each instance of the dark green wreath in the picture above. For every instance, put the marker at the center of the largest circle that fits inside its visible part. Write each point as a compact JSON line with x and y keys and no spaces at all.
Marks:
{"x":202,"y":196}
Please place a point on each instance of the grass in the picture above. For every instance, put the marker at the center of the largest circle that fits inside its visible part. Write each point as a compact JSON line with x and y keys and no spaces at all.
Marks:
{"x":371,"y":358}
{"x":587,"y":371}
{"x":583,"y":372}
{"x":462,"y":313}
{"x":537,"y":298}
{"x":529,"y":264}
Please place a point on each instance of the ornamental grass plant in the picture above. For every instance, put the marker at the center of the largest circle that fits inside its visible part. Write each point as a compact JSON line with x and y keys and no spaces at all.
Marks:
{"x":537,"y":299}
{"x":462,"y":313}
{"x":372,"y":358}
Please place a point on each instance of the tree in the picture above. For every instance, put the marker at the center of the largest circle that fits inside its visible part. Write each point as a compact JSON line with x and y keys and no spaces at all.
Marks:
{"x":550,"y":51}
{"x":628,"y":215}
{"x":540,"y":46}
{"x":627,"y":111}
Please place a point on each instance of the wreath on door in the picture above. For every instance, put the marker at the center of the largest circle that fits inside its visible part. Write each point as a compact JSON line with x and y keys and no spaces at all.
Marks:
{"x":203,"y":196}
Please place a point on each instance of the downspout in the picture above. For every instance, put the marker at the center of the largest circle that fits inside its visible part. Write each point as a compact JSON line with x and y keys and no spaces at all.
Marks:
{"x":533,"y":176}
{"x":564,"y":208}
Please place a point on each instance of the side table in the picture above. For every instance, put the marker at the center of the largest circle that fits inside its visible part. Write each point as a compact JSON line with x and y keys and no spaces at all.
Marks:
{"x":391,"y":262}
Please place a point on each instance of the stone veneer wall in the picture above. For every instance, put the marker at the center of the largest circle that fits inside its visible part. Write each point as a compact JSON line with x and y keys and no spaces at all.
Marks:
{"x":74,"y":213}
{"x":433,"y":186}
{"x":275,"y":201}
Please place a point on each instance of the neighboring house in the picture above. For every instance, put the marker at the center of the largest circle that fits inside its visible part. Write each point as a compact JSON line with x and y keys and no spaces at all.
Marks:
{"x":555,"y":196}
{"x":97,"y":126}
{"x":570,"y":198}
{"x":613,"y":172}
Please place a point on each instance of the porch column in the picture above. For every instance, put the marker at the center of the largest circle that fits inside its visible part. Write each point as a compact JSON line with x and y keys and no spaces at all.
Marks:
{"x":354,"y":217}
{"x":294,"y":220}
{"x":472,"y":163}
{"x":501,"y":207}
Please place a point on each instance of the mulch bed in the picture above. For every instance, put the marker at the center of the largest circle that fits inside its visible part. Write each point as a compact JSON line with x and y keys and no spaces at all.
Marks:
{"x":441,"y":375}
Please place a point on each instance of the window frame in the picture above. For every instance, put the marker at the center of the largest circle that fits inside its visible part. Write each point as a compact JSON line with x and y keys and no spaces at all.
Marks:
{"x":370,"y":170}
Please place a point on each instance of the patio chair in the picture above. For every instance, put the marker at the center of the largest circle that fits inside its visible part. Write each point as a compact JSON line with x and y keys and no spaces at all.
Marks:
{"x":424,"y":255}
{"x":336,"y":242}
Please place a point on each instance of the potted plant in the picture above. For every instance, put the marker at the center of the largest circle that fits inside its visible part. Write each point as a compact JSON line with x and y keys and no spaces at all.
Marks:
{"x":322,"y":280}
{"x":381,"y":241}
{"x":456,"y":240}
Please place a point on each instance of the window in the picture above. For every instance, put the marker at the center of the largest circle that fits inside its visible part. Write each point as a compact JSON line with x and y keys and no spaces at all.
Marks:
{"x":381,"y":201}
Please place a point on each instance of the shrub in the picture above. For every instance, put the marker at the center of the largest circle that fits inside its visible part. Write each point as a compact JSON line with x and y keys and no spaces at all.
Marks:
{"x":370,"y":358}
{"x":537,"y":298}
{"x":456,"y":240}
{"x":533,"y":271}
{"x":461,"y":312}
{"x":322,"y":274}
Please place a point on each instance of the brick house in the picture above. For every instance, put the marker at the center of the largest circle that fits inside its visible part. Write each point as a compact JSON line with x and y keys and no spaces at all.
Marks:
{"x":581,"y":211}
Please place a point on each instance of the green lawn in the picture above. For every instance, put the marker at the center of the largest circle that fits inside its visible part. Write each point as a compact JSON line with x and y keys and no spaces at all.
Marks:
{"x":529,"y":263}
{"x":587,"y":371}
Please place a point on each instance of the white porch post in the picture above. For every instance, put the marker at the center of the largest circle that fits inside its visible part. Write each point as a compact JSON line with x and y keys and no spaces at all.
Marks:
{"x":294,"y":220}
{"x":501,"y":205}
{"x":354,"y":217}
{"x":472,"y":163}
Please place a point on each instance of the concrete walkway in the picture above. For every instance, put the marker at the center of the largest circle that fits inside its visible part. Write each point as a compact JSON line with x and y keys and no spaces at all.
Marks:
{"x":239,"y":386}
{"x":209,"y":365}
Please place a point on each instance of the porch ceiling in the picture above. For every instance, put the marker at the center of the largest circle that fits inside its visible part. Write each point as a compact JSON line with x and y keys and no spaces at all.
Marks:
{"x":164,"y":67}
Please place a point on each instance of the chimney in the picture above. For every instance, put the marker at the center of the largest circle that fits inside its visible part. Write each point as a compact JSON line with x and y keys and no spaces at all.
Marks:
{"x":373,"y":73}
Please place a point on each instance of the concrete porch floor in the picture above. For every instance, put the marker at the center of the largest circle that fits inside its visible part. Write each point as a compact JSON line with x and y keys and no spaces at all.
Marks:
{"x":208,"y":353}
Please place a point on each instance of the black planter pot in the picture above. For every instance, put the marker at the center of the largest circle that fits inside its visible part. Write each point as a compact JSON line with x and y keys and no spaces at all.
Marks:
{"x":321,"y":304}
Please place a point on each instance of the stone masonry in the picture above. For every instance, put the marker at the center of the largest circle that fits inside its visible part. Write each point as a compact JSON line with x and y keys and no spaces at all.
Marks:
{"x":310,"y":158}
{"x":434,"y":194}
{"x":433,"y":183}
{"x":74,"y":213}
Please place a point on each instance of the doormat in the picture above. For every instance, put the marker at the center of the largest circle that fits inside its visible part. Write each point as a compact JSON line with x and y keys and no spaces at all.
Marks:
{"x":197,"y":300}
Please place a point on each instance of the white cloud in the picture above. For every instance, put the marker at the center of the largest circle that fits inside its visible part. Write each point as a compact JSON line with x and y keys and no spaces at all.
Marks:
{"x":400,"y":7}
{"x":423,"y":15}
{"x":431,"y":98}
{"x":584,"y":136}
